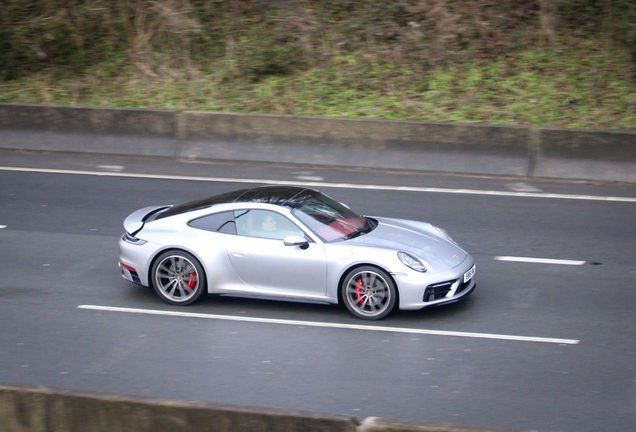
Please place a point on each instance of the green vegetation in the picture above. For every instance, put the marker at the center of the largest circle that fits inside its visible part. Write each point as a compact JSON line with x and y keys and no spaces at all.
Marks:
{"x":562,"y":63}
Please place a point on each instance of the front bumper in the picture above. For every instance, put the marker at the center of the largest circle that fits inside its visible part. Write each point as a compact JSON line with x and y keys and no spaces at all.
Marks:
{"x":418,"y":291}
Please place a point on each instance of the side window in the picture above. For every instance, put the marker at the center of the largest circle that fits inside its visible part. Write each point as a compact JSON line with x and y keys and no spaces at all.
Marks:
{"x":265,"y":224}
{"x":218,"y":222}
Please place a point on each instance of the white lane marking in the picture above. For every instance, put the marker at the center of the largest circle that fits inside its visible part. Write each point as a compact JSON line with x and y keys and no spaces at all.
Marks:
{"x":310,"y":178}
{"x":328,"y":185}
{"x":539,"y":260}
{"x":307,"y":175}
{"x":332,"y":325}
{"x":111,"y":167}
{"x":522,"y":187}
{"x":2,"y":226}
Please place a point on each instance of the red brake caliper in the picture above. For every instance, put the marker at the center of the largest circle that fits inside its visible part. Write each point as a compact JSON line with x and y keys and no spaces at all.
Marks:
{"x":193,"y":280}
{"x":358,"y":288}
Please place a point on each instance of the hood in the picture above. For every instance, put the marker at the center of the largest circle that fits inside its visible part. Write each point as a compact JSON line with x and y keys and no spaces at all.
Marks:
{"x":419,"y":238}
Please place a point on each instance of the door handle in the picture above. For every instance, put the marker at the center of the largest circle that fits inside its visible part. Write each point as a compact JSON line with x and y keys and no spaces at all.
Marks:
{"x":239,"y":253}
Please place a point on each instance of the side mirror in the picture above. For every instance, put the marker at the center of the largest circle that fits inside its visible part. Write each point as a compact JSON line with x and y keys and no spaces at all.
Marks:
{"x":294,"y":240}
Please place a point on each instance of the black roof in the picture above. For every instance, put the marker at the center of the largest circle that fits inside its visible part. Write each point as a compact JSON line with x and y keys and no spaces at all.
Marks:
{"x":286,"y":196}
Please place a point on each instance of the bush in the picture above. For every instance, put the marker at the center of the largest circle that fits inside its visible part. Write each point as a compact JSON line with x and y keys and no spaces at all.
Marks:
{"x":616,"y":18}
{"x":273,"y":37}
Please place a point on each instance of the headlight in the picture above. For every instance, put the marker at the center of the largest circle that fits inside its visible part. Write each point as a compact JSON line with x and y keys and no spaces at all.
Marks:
{"x":412,"y":262}
{"x":444,"y":234}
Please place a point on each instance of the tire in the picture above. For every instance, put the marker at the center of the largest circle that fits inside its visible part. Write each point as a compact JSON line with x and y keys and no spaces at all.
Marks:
{"x":368,"y":292}
{"x":178,"y":278}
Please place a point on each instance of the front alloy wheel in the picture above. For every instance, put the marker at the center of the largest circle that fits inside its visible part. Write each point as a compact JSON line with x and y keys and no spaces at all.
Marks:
{"x":369,"y":293}
{"x":178,"y":278}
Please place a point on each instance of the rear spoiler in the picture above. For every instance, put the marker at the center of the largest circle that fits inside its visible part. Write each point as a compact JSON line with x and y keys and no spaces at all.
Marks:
{"x":135,"y":221}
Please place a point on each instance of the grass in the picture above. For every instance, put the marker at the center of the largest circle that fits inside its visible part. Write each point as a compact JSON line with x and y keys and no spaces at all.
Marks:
{"x":577,"y":84}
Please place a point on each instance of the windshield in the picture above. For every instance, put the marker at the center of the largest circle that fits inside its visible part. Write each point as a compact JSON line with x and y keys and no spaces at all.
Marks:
{"x":330,"y":220}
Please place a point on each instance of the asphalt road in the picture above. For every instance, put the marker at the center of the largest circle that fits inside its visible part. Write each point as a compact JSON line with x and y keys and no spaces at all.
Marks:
{"x":58,"y":250}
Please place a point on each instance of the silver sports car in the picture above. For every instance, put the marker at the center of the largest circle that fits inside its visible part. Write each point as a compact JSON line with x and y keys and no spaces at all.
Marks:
{"x":292,"y":243}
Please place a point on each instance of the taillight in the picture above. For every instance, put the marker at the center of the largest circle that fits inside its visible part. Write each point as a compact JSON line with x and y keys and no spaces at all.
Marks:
{"x":133,"y":240}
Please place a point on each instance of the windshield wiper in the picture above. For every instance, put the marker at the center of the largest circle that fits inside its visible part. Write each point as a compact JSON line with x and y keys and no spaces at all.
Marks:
{"x":355,"y":234}
{"x":367,"y":228}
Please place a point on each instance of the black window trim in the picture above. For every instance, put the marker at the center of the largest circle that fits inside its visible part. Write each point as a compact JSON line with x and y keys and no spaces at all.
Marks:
{"x":217,"y":231}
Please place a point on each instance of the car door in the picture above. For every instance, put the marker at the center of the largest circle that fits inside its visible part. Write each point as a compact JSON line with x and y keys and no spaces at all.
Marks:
{"x":263,"y":262}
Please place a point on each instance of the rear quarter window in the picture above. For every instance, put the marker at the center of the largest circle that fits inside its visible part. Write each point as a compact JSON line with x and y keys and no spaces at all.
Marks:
{"x":218,"y":222}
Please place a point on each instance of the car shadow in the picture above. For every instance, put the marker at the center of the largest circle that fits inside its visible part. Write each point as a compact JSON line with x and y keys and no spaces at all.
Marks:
{"x":145,"y":297}
{"x":302,"y":311}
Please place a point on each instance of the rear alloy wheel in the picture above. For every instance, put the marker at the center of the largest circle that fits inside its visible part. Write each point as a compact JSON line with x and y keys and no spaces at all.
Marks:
{"x":178,"y":278}
{"x":369,"y":293}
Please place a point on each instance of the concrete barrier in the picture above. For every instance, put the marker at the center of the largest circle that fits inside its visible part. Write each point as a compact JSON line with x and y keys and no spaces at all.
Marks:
{"x":571,"y":153}
{"x":93,"y":120}
{"x":46,"y":410}
{"x":390,"y":144}
{"x":386,"y":144}
{"x":121,"y":131}
{"x":42,"y":409}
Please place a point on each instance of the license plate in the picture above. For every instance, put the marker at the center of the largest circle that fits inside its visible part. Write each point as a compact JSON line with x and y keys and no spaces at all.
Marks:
{"x":469,"y":274}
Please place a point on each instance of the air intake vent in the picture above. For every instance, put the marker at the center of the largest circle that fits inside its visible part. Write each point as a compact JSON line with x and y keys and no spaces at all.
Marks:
{"x":437,"y":291}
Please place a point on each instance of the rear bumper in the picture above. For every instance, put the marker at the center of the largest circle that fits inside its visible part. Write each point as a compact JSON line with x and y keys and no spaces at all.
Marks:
{"x":129,"y":273}
{"x":134,"y":261}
